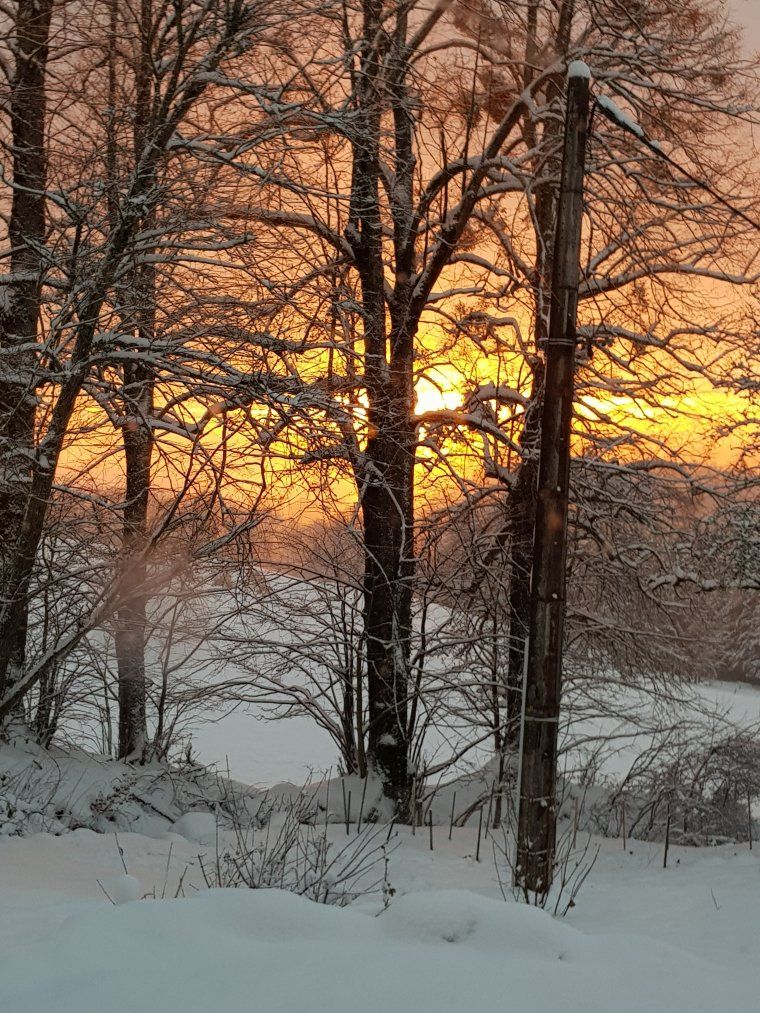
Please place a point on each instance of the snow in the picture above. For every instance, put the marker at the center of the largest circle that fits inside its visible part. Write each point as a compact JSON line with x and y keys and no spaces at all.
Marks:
{"x":127,"y":920}
{"x":612,"y":110}
{"x":639,"y":939}
{"x":579,"y":69}
{"x":59,"y":789}
{"x":123,"y":889}
{"x":199,"y":827}
{"x":265,"y":752}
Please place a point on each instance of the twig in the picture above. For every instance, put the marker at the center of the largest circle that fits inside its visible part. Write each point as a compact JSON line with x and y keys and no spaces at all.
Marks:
{"x":106,"y":892}
{"x":121,"y":855}
{"x":166,"y":875}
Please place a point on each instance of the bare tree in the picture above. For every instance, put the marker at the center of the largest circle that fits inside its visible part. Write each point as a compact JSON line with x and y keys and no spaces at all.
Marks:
{"x":20,"y":306}
{"x":434,"y":230}
{"x":101,"y":248}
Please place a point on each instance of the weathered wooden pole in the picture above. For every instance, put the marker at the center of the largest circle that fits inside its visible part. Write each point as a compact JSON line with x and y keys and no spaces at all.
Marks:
{"x":537,"y":813}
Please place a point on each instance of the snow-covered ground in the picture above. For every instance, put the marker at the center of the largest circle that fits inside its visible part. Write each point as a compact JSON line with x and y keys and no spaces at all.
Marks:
{"x":641,"y":938}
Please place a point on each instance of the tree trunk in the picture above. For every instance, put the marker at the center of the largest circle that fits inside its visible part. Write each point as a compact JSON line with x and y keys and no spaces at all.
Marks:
{"x":131,"y":620}
{"x":387,"y":482}
{"x":21,"y":301}
{"x":137,"y":437}
{"x":387,"y":507}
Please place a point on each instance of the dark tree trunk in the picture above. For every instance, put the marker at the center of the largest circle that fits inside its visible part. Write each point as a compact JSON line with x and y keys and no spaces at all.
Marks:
{"x":21,"y":304}
{"x":45,"y":717}
{"x":387,"y":507}
{"x":387,"y":481}
{"x":131,"y":625}
{"x":131,"y":619}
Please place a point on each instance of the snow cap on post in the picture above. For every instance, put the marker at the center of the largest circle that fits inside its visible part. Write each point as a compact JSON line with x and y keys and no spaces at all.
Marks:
{"x":579,"y":69}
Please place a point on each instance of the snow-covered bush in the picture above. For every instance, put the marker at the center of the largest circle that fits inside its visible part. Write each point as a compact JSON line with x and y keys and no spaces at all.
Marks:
{"x":290,"y":851}
{"x":701,"y":791}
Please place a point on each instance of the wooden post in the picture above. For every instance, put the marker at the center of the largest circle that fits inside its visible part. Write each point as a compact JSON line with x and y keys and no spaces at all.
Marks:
{"x":749,"y":818}
{"x":451,"y":821}
{"x":361,"y":806}
{"x":537,"y":807}
{"x":622,"y":823}
{"x":667,"y":839}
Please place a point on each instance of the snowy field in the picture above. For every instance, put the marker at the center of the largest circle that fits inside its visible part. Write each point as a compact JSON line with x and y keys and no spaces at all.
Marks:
{"x":266,"y":752}
{"x":641,"y":938}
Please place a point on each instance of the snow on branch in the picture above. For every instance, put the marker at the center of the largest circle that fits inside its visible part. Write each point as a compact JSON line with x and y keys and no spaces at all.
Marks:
{"x":613,"y":112}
